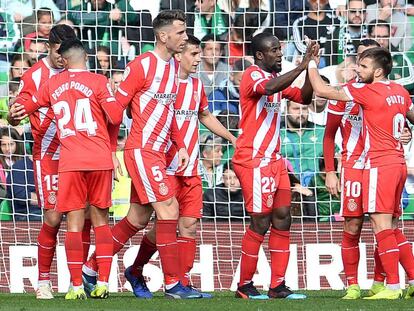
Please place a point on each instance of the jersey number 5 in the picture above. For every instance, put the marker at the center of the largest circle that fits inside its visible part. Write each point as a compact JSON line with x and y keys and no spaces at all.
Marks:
{"x":83,"y":120}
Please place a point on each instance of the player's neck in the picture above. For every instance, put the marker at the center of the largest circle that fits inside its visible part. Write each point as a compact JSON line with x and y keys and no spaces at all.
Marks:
{"x":162,"y":52}
{"x":49,"y":62}
{"x":183,"y":75}
{"x":380,"y":79}
{"x":77,"y":66}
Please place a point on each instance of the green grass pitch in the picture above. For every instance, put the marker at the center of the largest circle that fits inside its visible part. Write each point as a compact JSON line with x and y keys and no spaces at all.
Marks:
{"x":317,"y":300}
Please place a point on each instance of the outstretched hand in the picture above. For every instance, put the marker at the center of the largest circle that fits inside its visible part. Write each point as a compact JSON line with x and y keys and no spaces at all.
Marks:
{"x":311,"y":48}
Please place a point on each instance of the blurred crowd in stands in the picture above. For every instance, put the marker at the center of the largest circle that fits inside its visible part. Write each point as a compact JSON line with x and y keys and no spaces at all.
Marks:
{"x":115,"y":31}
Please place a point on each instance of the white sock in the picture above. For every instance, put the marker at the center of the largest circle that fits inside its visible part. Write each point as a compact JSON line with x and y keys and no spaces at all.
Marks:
{"x":100,"y":283}
{"x":378,"y":282}
{"x":89,"y":271}
{"x":393,"y":286}
{"x":411,"y":282}
{"x":75,"y":288}
{"x":169,"y":286}
{"x":43,"y":282}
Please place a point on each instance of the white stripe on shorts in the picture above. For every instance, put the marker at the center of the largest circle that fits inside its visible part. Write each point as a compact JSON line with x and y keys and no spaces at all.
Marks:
{"x":39,"y":184}
{"x":372,"y":189}
{"x":141,"y":169}
{"x":257,"y":190}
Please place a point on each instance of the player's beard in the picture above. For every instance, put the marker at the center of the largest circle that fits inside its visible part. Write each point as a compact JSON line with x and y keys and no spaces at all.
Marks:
{"x":369,"y":79}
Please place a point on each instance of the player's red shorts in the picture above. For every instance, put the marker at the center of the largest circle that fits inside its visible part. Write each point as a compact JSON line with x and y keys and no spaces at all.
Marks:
{"x":147,"y":170}
{"x":351,"y":192}
{"x":189,"y":194}
{"x":264,"y":188}
{"x":78,"y":188}
{"x":382,"y":189}
{"x":46,"y":182}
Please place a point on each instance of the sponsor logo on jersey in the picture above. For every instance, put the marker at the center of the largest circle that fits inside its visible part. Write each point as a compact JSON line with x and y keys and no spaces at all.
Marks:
{"x":352,"y":205}
{"x":163,"y":189}
{"x":165,"y":98}
{"x":187,"y":115}
{"x":355,"y":121}
{"x":272,"y":106}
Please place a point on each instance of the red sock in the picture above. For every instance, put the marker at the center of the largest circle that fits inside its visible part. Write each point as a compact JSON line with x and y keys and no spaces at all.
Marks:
{"x":46,"y":245}
{"x":379,"y":273}
{"x":389,"y":255}
{"x":350,"y":257}
{"x":104,"y":251}
{"x":167,"y":246}
{"x":406,"y":253}
{"x":279,"y":242}
{"x":74,"y":255}
{"x":250,"y":249}
{"x":86,"y":238}
{"x":186,"y":251}
{"x":146,"y":250}
{"x":121,"y":233}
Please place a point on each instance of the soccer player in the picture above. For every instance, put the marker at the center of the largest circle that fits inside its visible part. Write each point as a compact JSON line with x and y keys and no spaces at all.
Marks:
{"x":348,"y":116}
{"x":81,"y":102}
{"x":191,"y":105}
{"x":46,"y":156}
{"x":149,"y":86}
{"x":385,"y":106}
{"x":259,"y":166}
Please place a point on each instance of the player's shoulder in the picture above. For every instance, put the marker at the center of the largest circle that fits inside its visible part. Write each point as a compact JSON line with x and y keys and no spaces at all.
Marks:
{"x":254,"y":73}
{"x":144,"y":57}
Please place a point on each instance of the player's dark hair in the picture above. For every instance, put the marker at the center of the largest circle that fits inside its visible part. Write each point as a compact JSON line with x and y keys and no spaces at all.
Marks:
{"x":259,"y":42}
{"x":193,"y":40}
{"x":60,"y":33}
{"x":69,"y":45}
{"x":167,"y":18}
{"x":381,"y":57}
{"x":241,"y":65}
{"x":368,"y":42}
{"x":378,"y":23}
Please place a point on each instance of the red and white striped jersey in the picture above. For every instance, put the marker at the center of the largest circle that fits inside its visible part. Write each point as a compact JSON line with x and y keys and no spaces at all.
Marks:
{"x":385,"y":105}
{"x":259,"y":142}
{"x":45,"y":139}
{"x":149,"y":86}
{"x":191,"y":99}
{"x":351,"y":131}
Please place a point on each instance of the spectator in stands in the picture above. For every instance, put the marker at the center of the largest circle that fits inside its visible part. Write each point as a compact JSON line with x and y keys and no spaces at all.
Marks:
{"x":226,"y":95}
{"x":402,"y":69}
{"x":318,"y":25}
{"x":302,"y":141}
{"x":213,"y":71}
{"x":225,"y":200}
{"x":18,"y":66}
{"x":9,"y":36}
{"x":354,"y":30}
{"x":105,"y":62}
{"x":44,"y":24}
{"x":389,"y":11}
{"x":210,"y":19}
{"x":211,"y":154}
{"x":21,"y":191}
{"x":231,"y":122}
{"x":116,"y":78}
{"x":284,"y":14}
{"x":102,"y":21}
{"x":326,"y":205}
{"x":317,"y":110}
{"x":5,"y":101}
{"x":22,"y":11}
{"x":37,"y":49}
{"x":11,"y":147}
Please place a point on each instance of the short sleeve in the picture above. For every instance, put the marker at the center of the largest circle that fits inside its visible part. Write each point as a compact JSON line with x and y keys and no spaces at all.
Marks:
{"x":293,"y":93}
{"x":203,"y":98}
{"x":359,"y":93}
{"x":132,"y":82}
{"x":336,"y":107}
{"x":40,"y":99}
{"x":256,"y":82}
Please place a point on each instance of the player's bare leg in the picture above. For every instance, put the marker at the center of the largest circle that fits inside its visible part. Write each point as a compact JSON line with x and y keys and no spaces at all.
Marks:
{"x":104,"y":250}
{"x":388,"y":253}
{"x":74,"y":252}
{"x":252,"y":240}
{"x":350,"y":255}
{"x":46,"y":247}
{"x":279,"y":243}
{"x":86,"y":233}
